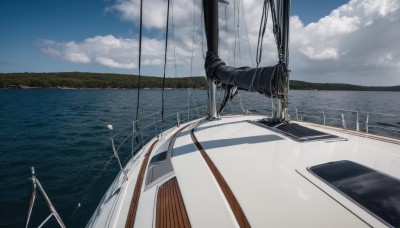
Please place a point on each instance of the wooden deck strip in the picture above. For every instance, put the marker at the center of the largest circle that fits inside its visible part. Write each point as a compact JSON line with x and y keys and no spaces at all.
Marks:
{"x":130,"y":221}
{"x":170,"y":209}
{"x":179,"y":207}
{"x":174,"y":208}
{"x":230,"y":197}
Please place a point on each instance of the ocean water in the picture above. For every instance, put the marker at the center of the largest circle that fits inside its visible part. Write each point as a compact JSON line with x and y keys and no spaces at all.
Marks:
{"x":62,"y":134}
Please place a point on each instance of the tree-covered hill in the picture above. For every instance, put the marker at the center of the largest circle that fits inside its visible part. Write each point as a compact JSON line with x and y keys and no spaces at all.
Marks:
{"x":300,"y":85}
{"x":93,"y":80}
{"x":98,"y":80}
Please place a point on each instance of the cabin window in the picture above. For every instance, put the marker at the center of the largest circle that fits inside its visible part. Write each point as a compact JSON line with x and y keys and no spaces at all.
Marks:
{"x":159,"y":157}
{"x":374,"y":191}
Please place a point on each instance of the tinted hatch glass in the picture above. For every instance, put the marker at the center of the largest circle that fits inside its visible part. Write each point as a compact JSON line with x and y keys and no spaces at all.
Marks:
{"x":374,"y":191}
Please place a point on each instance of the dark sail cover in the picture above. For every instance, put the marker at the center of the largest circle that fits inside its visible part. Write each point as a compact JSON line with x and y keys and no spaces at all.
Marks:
{"x":261,"y":79}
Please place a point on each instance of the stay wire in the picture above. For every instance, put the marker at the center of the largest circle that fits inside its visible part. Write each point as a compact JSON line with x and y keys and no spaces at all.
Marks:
{"x":140,"y":58}
{"x":276,"y":28}
{"x":261,"y":32}
{"x":165,"y":64}
{"x":173,"y":36}
{"x":202,"y":31}
{"x":247,"y":33}
{"x":238,"y":33}
{"x":226,"y":36}
{"x":87,"y":188}
{"x":191,"y":59}
{"x":234,"y":24}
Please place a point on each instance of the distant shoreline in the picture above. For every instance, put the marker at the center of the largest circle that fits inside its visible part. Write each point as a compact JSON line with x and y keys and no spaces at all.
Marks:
{"x":79,"y":80}
{"x":89,"y":88}
{"x":83,"y":88}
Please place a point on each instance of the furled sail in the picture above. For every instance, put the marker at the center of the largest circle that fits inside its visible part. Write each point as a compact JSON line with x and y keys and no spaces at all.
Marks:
{"x":261,"y":79}
{"x":271,"y":81}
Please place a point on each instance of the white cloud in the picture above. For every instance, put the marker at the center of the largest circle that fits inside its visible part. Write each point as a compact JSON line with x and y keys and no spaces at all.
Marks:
{"x":334,"y":24}
{"x":113,"y":64}
{"x":155,"y":11}
{"x":354,"y":42}
{"x":320,"y":54}
{"x":104,"y":50}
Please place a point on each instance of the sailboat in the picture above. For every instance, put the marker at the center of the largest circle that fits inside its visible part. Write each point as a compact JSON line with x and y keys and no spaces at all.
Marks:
{"x":255,"y":170}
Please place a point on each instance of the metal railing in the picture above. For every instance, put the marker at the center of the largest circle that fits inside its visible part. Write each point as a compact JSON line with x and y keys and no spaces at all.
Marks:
{"x":133,"y":137}
{"x":37,"y":187}
{"x":353,"y":120}
{"x":147,"y":127}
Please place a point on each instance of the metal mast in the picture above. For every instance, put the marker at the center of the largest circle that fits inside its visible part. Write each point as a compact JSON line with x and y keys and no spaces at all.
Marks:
{"x":283,"y":11}
{"x":271,"y":81}
{"x":211,"y":28}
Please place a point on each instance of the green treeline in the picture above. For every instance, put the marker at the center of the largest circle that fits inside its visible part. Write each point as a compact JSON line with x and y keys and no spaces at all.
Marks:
{"x":93,"y":80}
{"x":300,"y":85}
{"x":98,"y":80}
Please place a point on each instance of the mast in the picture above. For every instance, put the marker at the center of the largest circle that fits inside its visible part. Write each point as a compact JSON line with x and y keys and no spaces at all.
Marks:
{"x":272,"y":81}
{"x":211,"y":26}
{"x":283,"y":9}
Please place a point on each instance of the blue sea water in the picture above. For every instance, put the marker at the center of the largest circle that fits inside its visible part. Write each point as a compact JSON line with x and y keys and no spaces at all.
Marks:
{"x":62,"y":134}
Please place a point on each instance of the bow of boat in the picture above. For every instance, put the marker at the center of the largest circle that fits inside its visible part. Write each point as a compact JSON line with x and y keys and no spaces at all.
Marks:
{"x":240,"y":172}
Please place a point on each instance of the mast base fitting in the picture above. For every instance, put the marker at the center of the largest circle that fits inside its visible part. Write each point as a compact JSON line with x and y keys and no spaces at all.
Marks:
{"x":211,"y":118}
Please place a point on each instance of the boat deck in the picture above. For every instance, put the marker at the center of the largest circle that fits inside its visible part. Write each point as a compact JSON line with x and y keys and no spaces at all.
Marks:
{"x":234,"y":173}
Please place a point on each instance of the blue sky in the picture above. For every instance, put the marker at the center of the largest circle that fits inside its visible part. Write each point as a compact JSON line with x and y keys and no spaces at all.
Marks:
{"x":101,"y":36}
{"x":25,"y":23}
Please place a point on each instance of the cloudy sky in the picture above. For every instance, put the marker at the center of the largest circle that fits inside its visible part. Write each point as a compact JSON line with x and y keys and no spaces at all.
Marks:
{"x":355,"y":41}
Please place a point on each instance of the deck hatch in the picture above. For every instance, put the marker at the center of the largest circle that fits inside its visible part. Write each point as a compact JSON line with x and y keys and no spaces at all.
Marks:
{"x":377,"y":193}
{"x":297,"y":131}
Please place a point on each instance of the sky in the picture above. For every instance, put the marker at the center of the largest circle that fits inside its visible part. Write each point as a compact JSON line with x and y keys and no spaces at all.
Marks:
{"x":355,"y":42}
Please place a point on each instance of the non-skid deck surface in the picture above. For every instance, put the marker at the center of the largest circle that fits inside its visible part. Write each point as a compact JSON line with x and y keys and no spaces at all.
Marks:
{"x":171,"y":211}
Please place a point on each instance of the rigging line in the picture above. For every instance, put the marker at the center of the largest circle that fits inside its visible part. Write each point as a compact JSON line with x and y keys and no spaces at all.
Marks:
{"x":202,"y":31}
{"x":261,"y":32}
{"x":244,"y":110}
{"x":276,"y":28}
{"x":272,"y":97}
{"x":96,"y":175}
{"x":173,"y":36}
{"x":247,"y":32}
{"x":238,"y":33}
{"x":88,"y":187}
{"x":140,"y":58}
{"x":191,"y":59}
{"x":234,"y":24}
{"x":226,"y":32}
{"x":220,"y":92}
{"x":230,"y":105}
{"x":226,"y":36}
{"x":165,"y":64}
